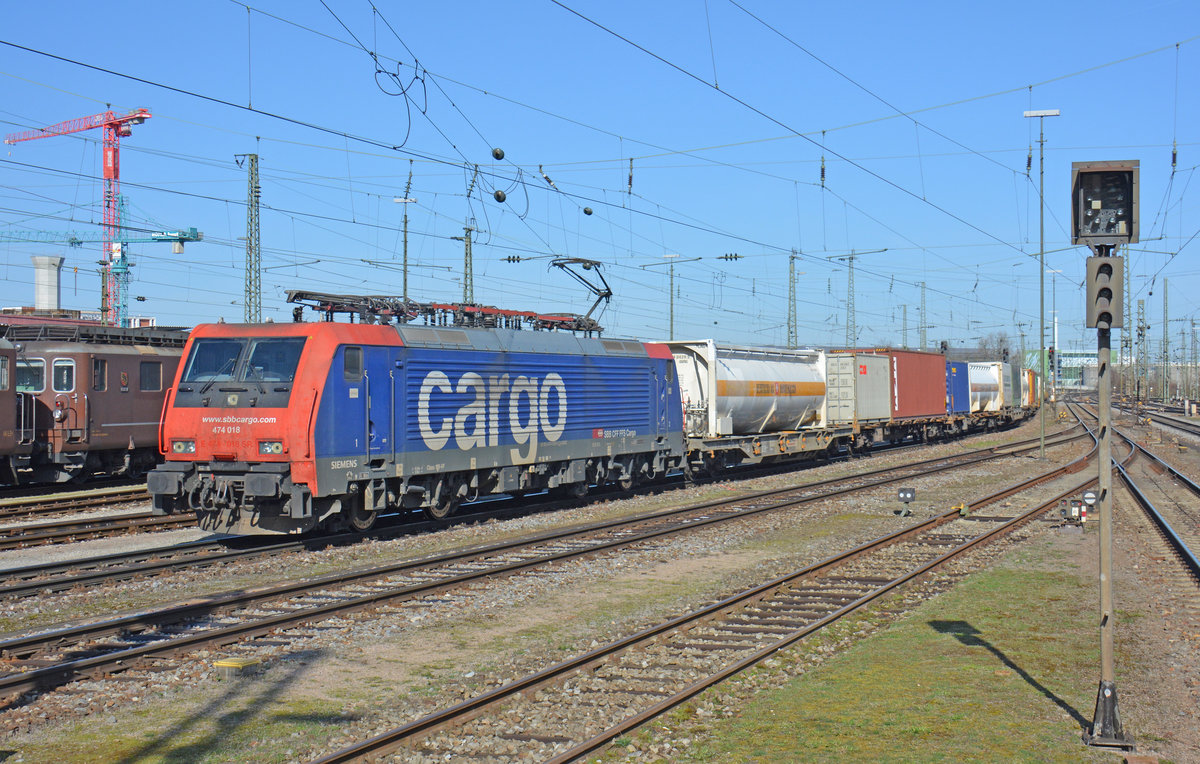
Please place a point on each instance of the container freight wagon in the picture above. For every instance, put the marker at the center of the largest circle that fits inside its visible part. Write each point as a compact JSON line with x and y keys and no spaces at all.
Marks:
{"x":279,"y":428}
{"x":747,"y":404}
{"x":958,"y":388}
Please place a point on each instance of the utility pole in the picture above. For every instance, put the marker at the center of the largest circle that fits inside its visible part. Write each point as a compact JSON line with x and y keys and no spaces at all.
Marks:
{"x":252,"y":312}
{"x":669,"y":261}
{"x":1041,"y":118}
{"x":406,"y":200}
{"x":851,"y":329}
{"x":1192,"y":373}
{"x":1127,"y":343}
{"x":468,"y":266}
{"x":1143,"y":355}
{"x":924,"y":323}
{"x":793,"y":338}
{"x":1166,"y":349}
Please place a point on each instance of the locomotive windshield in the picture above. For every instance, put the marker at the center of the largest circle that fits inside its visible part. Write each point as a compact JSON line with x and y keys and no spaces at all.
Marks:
{"x":244,"y":359}
{"x":216,"y":367}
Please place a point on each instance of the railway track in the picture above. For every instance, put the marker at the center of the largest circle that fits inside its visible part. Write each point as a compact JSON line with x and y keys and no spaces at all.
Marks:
{"x":579,"y":706}
{"x":53,"y":577}
{"x":52,"y":658}
{"x":65,"y":531}
{"x":1171,"y":506}
{"x":70,"y":530}
{"x":40,"y":505}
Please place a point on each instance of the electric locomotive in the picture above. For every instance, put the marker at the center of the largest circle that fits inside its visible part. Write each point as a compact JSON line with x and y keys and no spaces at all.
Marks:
{"x":284,"y":428}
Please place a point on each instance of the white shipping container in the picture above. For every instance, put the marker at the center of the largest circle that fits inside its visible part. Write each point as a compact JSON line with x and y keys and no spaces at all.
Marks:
{"x":991,"y":386}
{"x":735,"y":390}
{"x":858,"y":388}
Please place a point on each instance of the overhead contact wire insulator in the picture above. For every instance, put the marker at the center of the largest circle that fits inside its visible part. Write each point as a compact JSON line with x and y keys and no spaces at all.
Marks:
{"x":1029,"y":161}
{"x":1174,"y":156}
{"x":822,"y":172}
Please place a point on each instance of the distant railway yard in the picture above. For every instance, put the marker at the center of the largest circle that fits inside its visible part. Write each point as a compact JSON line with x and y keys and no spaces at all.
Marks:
{"x":802,"y":615}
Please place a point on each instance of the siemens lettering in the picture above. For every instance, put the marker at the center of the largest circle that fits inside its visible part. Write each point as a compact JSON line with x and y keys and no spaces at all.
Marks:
{"x":476,"y":423}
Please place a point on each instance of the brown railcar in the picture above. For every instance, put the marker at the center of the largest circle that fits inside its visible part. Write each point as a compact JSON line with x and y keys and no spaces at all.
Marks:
{"x":87,"y":399}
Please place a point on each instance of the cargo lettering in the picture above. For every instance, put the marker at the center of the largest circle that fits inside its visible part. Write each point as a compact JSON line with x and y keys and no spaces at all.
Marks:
{"x":478,"y":422}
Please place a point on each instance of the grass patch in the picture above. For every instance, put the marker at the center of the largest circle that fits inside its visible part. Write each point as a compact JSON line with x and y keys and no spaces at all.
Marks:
{"x":971,"y":675}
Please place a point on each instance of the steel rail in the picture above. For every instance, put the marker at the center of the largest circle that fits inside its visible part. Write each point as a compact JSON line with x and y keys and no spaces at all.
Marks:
{"x":1176,"y":542}
{"x":40,"y":534}
{"x":55,"y":675}
{"x":144,"y":563}
{"x":389,"y":741}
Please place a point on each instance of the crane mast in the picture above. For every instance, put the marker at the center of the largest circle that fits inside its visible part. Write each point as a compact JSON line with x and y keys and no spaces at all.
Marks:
{"x":115,"y":127}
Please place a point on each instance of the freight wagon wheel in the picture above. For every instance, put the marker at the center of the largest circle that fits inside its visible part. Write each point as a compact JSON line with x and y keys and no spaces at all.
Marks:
{"x":625,"y":482}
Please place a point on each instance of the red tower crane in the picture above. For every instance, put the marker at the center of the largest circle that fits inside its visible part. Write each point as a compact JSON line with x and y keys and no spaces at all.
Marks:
{"x":115,"y":127}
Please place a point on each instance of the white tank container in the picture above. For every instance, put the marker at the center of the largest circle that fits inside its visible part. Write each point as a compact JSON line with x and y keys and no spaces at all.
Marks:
{"x":737,"y":390}
{"x":991,"y":386}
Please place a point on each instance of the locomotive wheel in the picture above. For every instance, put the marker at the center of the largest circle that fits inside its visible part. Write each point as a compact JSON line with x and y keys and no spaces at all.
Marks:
{"x":444,"y":502}
{"x":360,"y":519}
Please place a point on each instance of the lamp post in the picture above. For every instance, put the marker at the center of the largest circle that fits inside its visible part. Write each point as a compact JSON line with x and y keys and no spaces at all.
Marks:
{"x":1041,"y":117}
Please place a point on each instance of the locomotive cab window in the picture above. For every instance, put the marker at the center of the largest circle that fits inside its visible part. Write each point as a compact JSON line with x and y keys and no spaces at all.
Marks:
{"x":213,"y":360}
{"x":272,"y":359}
{"x":352,"y":370}
{"x":151,"y":376}
{"x":63,"y":375}
{"x":31,"y":375}
{"x":99,"y":374}
{"x":3,"y":372}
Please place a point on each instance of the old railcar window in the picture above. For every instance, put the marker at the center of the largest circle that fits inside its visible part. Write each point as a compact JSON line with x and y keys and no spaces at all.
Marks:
{"x":273,"y":359}
{"x":151,"y":376}
{"x":64,"y":375}
{"x":31,"y":375}
{"x":99,"y":374}
{"x":353,"y":368}
{"x":213,"y":360}
{"x":3,"y":372}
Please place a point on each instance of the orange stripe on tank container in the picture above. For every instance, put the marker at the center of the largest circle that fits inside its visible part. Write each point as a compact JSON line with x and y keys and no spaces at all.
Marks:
{"x":754,"y":389}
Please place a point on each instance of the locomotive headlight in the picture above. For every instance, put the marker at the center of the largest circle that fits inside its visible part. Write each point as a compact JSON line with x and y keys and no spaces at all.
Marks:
{"x":183,"y":446}
{"x":270,"y":447}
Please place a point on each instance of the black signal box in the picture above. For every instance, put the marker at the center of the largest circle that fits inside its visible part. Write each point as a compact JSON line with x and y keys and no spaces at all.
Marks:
{"x":1104,"y":204}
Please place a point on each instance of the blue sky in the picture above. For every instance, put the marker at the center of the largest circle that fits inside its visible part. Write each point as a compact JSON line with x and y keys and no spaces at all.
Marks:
{"x":725,"y":109}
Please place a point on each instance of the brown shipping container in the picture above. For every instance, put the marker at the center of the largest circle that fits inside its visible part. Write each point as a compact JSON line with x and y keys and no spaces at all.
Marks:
{"x":918,"y":384}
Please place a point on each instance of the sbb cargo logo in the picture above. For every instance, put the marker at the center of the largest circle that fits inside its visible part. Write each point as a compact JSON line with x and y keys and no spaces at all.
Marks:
{"x":521,"y":407}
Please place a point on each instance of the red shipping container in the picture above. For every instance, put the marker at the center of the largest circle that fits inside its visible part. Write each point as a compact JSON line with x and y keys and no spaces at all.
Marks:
{"x":918,"y":384}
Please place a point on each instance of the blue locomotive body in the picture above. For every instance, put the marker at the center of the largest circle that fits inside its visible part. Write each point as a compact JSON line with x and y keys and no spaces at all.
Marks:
{"x":381,"y":419}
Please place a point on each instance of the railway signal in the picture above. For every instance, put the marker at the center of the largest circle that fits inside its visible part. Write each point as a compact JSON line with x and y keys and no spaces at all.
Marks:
{"x":1104,"y":215}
